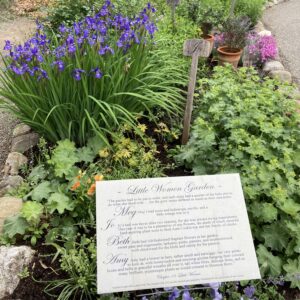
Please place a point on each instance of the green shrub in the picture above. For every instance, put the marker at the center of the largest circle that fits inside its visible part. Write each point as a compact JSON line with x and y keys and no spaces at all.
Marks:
{"x":206,"y":14}
{"x":92,"y":78}
{"x":69,"y":11}
{"x":248,"y":126}
{"x":252,"y":9}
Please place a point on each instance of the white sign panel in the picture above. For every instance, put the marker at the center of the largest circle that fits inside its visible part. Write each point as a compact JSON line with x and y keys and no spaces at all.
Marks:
{"x":173,"y":231}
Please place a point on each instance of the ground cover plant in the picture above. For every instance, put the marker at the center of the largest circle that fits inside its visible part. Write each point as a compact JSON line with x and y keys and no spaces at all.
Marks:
{"x":114,"y":73}
{"x":248,"y":126}
{"x":261,"y":48}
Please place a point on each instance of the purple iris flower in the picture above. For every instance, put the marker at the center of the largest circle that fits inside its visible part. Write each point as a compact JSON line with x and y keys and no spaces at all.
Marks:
{"x":80,"y":40}
{"x":72,"y":48}
{"x":34,"y":50}
{"x":105,"y":49}
{"x":186,"y":294}
{"x":39,"y":25}
{"x":62,"y":28}
{"x":86,"y":33}
{"x":249,"y":291}
{"x":40,"y":58}
{"x":77,"y":74}
{"x":70,"y":39}
{"x":98,"y":73}
{"x":44,"y":73}
{"x":104,"y":11}
{"x":60,"y":51}
{"x":60,"y":65}
{"x":119,"y":44}
{"x":16,"y":70}
{"x":77,"y":28}
{"x":215,"y":294}
{"x":175,"y":294}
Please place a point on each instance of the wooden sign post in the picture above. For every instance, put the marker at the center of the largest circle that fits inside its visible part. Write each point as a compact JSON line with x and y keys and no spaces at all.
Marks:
{"x":195,"y":48}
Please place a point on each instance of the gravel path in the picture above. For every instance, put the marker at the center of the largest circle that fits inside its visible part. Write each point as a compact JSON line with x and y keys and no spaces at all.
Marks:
{"x":16,"y":30}
{"x":284,"y":22}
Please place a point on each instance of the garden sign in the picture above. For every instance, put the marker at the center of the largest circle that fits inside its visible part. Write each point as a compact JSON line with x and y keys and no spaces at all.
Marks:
{"x":195,"y":48}
{"x":164,"y":232}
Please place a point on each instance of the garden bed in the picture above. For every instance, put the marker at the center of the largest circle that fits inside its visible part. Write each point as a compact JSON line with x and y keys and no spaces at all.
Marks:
{"x":107,"y":95}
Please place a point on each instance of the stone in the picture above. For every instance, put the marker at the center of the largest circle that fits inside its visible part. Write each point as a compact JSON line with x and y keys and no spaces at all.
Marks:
{"x":259,"y":27}
{"x":281,"y":75}
{"x":24,"y":142}
{"x":13,"y":260}
{"x":14,"y":162}
{"x":272,"y":65}
{"x":9,"y":206}
{"x":21,"y":129}
{"x":9,"y":182}
{"x":265,"y":33}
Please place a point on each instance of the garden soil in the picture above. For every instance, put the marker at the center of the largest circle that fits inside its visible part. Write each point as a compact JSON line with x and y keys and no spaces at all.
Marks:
{"x":16,"y":30}
{"x":284,"y":22}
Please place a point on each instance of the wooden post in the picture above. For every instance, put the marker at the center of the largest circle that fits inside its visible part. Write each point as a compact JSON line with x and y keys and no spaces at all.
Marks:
{"x":195,"y":48}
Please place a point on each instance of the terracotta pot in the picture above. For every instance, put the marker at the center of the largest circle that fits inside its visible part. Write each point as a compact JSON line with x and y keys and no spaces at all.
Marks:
{"x":211,"y":39}
{"x":229,"y":55}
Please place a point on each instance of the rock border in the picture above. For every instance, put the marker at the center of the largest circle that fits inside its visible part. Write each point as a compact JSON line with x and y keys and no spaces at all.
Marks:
{"x":273,"y":2}
{"x":23,"y":139}
{"x":275,"y":68}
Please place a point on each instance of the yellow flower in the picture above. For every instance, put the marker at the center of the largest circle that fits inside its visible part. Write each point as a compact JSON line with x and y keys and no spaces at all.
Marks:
{"x":104,"y":153}
{"x":98,"y":177}
{"x":126,"y":127}
{"x":175,"y":135}
{"x":147,"y":156}
{"x":124,"y":153}
{"x":142,"y":127}
{"x":125,"y":142}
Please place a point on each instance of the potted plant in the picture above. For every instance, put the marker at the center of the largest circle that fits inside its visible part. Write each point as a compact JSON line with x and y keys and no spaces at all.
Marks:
{"x":235,"y":31}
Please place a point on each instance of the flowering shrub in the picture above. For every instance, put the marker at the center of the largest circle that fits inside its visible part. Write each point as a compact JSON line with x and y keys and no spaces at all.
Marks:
{"x":99,"y":73}
{"x":262,"y":48}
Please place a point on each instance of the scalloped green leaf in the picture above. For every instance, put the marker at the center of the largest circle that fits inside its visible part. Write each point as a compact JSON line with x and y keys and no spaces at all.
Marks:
{"x":86,"y":154}
{"x":37,"y":174}
{"x":269,"y":264}
{"x":292,"y":269}
{"x":32,"y":211}
{"x":41,"y":191}
{"x":275,"y":236}
{"x":15,"y":225}
{"x":60,"y":202}
{"x":289,"y":206}
{"x":64,"y":157}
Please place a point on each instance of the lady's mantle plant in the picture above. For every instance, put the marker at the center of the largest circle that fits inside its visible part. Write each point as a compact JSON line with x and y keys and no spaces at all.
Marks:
{"x":248,"y":126}
{"x":99,"y":73}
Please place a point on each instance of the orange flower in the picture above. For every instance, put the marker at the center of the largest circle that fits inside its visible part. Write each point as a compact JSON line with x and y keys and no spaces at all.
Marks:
{"x":91,"y":190}
{"x":75,"y":186}
{"x":98,"y":177}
